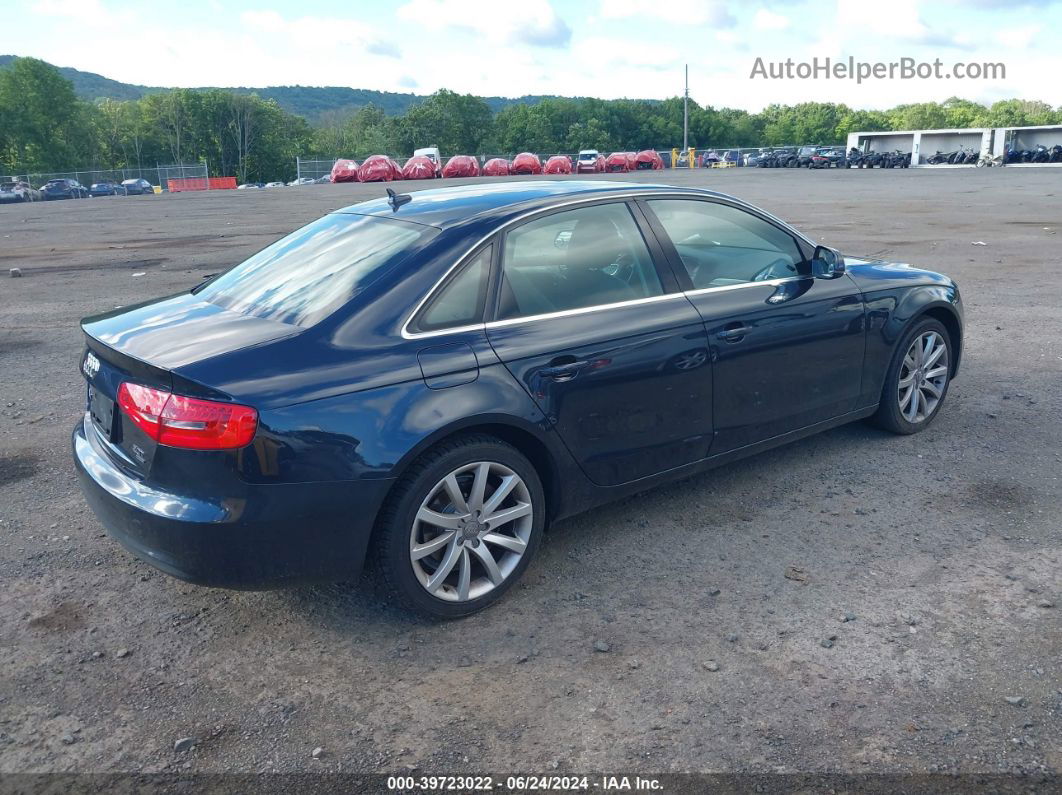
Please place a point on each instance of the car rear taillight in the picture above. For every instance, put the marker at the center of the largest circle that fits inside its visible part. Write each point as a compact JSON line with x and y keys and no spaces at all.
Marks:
{"x":191,"y":423}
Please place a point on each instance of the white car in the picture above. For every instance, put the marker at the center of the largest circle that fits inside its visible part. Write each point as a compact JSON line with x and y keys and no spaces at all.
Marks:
{"x":301,"y":181}
{"x":588,"y":161}
{"x":274,"y":184}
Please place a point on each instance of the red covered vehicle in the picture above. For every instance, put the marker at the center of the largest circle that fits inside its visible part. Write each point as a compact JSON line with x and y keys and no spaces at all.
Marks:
{"x":344,"y":171}
{"x":461,"y":166}
{"x":620,"y":161}
{"x":648,"y":159}
{"x":496,"y":167}
{"x":525,"y":163}
{"x":558,"y":164}
{"x":419,"y":167}
{"x":379,"y":168}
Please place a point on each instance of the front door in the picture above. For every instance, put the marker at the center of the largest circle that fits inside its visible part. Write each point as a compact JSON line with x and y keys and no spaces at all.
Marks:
{"x":787,"y":348}
{"x":613,"y":355}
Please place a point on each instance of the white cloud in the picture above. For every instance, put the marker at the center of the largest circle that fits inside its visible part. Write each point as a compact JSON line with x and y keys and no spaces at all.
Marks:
{"x":533,"y":22}
{"x":1018,"y":38}
{"x":768,"y":20}
{"x":320,"y":32}
{"x":679,"y":12}
{"x":646,"y":55}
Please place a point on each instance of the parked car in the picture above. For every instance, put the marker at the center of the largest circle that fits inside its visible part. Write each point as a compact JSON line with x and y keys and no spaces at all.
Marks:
{"x":18,"y":191}
{"x":306,"y":409}
{"x":589,"y":161}
{"x":138,"y":187}
{"x":274,"y":185}
{"x":752,"y":159}
{"x":496,"y":167}
{"x":433,"y":154}
{"x":106,"y":188}
{"x":250,"y":185}
{"x":324,"y":179}
{"x":301,"y":181}
{"x":378,"y":168}
{"x":420,"y":167}
{"x":648,"y":159}
{"x":64,"y":189}
{"x":344,"y":171}
{"x":558,"y":164}
{"x":526,"y":163}
{"x":461,"y":166}
{"x":619,"y":162}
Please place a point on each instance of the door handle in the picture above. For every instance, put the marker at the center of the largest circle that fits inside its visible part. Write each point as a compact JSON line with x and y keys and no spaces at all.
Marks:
{"x":734,"y":333}
{"x":563,"y":368}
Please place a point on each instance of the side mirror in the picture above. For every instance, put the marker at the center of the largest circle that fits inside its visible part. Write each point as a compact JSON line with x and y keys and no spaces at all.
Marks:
{"x":826,"y":263}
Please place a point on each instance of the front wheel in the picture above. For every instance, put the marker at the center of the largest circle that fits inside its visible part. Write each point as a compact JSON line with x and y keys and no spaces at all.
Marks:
{"x":461,"y":527}
{"x":917,"y":380}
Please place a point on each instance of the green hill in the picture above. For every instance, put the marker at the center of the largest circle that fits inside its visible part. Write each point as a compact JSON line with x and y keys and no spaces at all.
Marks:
{"x":307,"y":101}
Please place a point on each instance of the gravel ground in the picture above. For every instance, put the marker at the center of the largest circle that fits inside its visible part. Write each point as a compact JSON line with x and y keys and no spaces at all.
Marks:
{"x":854,"y":602}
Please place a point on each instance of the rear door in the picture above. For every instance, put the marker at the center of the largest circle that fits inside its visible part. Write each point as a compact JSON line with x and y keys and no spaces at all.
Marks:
{"x":787,"y":349}
{"x":604,"y":342}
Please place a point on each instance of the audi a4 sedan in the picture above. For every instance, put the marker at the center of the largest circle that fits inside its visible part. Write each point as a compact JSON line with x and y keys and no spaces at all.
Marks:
{"x":429,"y":380}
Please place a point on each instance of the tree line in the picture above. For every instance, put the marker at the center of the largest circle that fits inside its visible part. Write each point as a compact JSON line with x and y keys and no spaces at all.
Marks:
{"x":45,"y":127}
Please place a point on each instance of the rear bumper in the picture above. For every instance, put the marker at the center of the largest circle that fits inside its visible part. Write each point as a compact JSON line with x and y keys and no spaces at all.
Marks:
{"x":264,"y":536}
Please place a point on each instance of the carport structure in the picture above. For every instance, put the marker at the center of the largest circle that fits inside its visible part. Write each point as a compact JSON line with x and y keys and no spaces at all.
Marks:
{"x":923,"y":144}
{"x":1027,"y":138}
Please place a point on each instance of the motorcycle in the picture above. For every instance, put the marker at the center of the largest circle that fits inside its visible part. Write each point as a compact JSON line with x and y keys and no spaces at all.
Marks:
{"x":987,"y":161}
{"x":1056,"y":154}
{"x":1041,"y":155}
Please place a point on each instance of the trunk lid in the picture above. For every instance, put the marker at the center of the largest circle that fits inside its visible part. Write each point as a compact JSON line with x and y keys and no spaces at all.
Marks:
{"x":145,"y":344}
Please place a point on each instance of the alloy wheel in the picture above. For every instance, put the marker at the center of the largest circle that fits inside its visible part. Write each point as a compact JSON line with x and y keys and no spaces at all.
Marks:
{"x":923,"y":377}
{"x":471,"y":531}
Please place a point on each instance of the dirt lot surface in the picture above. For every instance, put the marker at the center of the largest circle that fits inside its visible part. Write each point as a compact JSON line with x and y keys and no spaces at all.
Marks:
{"x":943,"y":550}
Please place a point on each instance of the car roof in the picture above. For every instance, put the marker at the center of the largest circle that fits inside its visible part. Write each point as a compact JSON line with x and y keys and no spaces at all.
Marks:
{"x":445,"y":207}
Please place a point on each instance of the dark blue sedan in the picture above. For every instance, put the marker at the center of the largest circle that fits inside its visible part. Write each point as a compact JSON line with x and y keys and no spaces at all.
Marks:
{"x":432,"y":379}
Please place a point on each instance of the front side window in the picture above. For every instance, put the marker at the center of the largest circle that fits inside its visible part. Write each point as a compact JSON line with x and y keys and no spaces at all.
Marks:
{"x":309,"y":274}
{"x":580,"y":258}
{"x":722,"y":245}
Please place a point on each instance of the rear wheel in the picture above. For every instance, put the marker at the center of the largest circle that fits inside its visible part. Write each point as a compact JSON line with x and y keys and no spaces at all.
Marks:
{"x":917,"y":380}
{"x":460,"y":527}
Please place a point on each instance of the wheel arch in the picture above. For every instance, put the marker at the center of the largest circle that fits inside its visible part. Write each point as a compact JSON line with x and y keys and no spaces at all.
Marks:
{"x":939,"y":301}
{"x":527,"y":438}
{"x":950,"y":320}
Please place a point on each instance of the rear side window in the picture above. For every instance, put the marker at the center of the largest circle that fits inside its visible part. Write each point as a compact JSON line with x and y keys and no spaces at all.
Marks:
{"x":460,"y":301}
{"x":574,"y":259}
{"x":309,"y":274}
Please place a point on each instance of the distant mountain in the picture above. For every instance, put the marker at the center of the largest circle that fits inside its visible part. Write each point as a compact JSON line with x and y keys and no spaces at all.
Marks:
{"x":308,"y":101}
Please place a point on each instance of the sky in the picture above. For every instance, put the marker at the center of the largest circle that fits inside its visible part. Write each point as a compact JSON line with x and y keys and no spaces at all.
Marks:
{"x":602,"y":48}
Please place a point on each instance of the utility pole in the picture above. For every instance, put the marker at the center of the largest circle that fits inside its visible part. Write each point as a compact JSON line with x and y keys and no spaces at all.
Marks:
{"x":686,"y":113}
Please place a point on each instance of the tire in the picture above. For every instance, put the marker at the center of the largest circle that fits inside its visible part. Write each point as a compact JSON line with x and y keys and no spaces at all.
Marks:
{"x":399,"y":529}
{"x":894,"y":414}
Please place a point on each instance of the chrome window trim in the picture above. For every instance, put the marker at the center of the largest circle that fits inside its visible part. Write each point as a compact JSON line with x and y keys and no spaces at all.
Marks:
{"x":626,"y":196}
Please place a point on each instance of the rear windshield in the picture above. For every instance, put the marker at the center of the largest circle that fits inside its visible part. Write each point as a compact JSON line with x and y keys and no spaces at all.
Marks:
{"x":307,"y":275}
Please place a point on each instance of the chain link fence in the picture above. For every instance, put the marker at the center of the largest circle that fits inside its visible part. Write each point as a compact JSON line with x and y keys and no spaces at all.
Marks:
{"x":159,"y":175}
